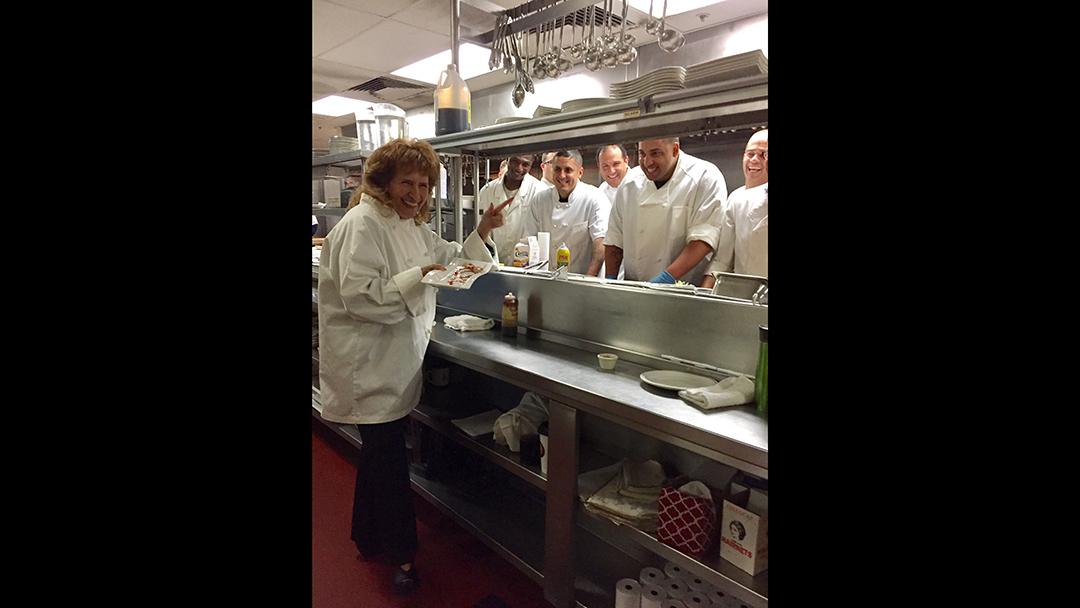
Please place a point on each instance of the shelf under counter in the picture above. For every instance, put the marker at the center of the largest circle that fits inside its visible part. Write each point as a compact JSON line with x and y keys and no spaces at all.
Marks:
{"x":752,"y":591}
{"x":734,"y":436}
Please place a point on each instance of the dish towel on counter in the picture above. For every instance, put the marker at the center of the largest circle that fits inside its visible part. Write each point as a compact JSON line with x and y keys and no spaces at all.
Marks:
{"x":735,"y":390}
{"x":471,"y":323}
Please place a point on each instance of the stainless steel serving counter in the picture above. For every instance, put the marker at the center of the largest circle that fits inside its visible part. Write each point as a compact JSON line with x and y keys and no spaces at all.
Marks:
{"x":735,"y":436}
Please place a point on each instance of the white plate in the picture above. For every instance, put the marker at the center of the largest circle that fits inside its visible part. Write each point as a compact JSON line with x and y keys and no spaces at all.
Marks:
{"x":451,"y":279}
{"x":673,"y":380}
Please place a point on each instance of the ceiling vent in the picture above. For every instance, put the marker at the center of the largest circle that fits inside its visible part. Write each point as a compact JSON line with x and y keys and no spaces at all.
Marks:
{"x":388,"y":89}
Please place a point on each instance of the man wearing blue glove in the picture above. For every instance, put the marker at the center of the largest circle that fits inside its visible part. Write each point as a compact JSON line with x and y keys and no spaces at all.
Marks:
{"x":665,"y":222}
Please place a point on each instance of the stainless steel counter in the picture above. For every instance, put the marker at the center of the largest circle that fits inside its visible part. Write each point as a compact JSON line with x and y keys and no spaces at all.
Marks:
{"x":736,"y":436}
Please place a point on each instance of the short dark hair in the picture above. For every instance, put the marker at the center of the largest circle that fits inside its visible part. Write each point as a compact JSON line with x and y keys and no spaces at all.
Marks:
{"x":574,"y":154}
{"x":619,"y":146}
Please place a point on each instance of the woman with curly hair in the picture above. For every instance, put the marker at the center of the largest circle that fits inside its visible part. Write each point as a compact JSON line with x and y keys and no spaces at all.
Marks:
{"x":375,"y":319}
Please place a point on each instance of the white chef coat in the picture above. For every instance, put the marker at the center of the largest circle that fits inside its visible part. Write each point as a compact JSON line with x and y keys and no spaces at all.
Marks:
{"x":744,"y":233}
{"x":608,"y":191}
{"x":653,"y":226}
{"x":576,"y":222}
{"x":375,"y":316}
{"x":507,"y":235}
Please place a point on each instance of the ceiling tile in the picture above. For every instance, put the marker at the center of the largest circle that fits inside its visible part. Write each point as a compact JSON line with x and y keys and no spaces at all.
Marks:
{"x":383,"y":8}
{"x":434,"y":16}
{"x":332,"y":25}
{"x":328,"y":77}
{"x":388,"y":46}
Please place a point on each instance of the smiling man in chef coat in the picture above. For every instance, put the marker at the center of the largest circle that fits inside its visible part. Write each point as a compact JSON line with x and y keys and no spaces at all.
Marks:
{"x":574,"y":213}
{"x":523,"y":188}
{"x":744,"y":231}
{"x":665,"y":221}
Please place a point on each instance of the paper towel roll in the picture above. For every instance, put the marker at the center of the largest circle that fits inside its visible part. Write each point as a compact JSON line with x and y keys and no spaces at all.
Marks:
{"x":676,"y":589}
{"x":716,"y":597}
{"x":696,"y":583}
{"x":697,"y":600}
{"x":627,"y":593}
{"x":672,"y":604}
{"x":652,"y":595}
{"x":650,"y":575}
{"x":674,"y":572}
{"x":544,"y":238}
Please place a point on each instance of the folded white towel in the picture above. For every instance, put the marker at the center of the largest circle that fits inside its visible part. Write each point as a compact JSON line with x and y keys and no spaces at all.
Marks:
{"x":736,"y":390}
{"x":468,"y":323}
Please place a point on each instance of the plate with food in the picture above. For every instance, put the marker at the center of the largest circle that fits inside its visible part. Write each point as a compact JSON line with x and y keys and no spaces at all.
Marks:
{"x":459,"y":274}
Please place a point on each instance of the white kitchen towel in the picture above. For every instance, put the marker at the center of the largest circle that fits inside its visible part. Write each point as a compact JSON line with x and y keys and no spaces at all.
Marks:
{"x":735,"y":390}
{"x":470,"y":323}
{"x":480,"y":424}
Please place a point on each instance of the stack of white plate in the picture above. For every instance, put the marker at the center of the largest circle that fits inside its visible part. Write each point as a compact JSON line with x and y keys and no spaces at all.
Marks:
{"x":659,"y":80}
{"x":742,"y":65}
{"x":506,"y":119}
{"x":588,"y":102}
{"x":545,"y":111}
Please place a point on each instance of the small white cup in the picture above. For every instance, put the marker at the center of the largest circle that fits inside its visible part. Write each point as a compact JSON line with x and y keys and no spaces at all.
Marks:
{"x":607,"y":360}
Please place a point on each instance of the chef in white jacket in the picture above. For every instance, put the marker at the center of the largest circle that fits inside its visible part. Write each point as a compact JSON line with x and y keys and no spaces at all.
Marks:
{"x":375,"y":322}
{"x":665,"y":221}
{"x":523,"y":189}
{"x":613,"y":163}
{"x":575,"y":213}
{"x":744,"y":231}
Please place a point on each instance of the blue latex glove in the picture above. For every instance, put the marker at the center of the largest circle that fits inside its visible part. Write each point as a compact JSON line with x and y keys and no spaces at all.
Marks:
{"x":611,"y":276}
{"x":663,"y":277}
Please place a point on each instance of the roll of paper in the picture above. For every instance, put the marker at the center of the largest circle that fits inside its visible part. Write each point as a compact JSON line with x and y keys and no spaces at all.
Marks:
{"x":697,"y":600}
{"x":674,"y":572}
{"x":672,"y":604}
{"x":652,"y":595}
{"x":544,"y":239}
{"x":627,"y":593}
{"x":696,"y":583}
{"x":651,"y":575}
{"x":676,"y":589}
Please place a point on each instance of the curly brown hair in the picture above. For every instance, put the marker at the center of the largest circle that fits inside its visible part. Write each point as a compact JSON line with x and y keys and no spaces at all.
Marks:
{"x":399,"y":155}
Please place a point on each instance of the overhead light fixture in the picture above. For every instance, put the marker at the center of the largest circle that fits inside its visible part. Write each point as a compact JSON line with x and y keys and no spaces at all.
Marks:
{"x":674,"y":7}
{"x":473,"y":62}
{"x":337,"y":106}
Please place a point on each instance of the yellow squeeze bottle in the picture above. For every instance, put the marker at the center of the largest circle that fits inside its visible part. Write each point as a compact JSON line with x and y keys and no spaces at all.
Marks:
{"x":562,"y":257}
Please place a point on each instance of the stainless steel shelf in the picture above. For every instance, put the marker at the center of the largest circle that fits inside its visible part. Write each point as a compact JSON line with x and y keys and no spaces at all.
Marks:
{"x":345,"y":159}
{"x":752,"y":590}
{"x":329,"y":211}
{"x":723,"y":106}
{"x":513,"y":526}
{"x":484,"y":446}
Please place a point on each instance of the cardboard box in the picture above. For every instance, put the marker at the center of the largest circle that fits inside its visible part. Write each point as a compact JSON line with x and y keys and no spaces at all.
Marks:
{"x":744,"y":530}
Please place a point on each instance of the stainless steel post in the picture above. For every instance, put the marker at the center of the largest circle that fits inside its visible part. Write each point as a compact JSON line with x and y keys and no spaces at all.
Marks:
{"x":456,"y":173}
{"x":560,"y":505}
{"x":454,"y":25}
{"x":476,"y":191}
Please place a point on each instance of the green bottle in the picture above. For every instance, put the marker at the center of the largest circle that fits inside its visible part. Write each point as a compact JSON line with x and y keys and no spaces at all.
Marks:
{"x":761,"y":381}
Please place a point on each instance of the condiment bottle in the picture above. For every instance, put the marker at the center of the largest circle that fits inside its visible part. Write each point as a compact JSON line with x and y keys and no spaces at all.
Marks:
{"x":562,"y":256}
{"x":761,"y":380}
{"x":509,"y":315}
{"x":453,"y":103}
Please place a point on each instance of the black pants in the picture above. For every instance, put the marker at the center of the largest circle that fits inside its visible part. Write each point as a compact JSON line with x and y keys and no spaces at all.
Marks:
{"x":383,"y":521}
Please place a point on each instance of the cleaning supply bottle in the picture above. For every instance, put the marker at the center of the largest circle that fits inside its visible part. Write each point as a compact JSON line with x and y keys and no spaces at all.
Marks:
{"x":562,"y":256}
{"x":761,"y":379}
{"x":509,"y":315}
{"x":453,"y":103}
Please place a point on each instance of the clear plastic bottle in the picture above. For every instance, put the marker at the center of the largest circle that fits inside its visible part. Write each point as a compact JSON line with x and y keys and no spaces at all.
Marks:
{"x":453,"y":103}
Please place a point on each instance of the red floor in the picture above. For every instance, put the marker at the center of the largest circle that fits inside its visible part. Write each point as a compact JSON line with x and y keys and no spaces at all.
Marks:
{"x":456,"y":569}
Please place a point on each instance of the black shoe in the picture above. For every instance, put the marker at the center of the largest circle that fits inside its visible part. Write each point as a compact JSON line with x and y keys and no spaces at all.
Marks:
{"x":406,"y":582}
